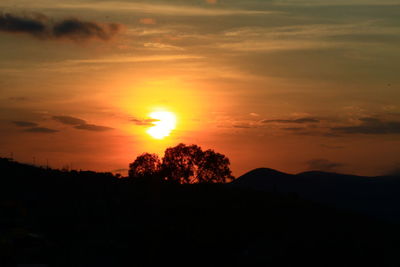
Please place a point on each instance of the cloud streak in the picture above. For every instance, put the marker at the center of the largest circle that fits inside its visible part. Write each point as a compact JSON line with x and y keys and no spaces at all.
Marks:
{"x":300,"y":121}
{"x":370,"y":126}
{"x":25,"y":124}
{"x":44,"y":28}
{"x":93,"y":128}
{"x":144,"y":122}
{"x":163,"y":9}
{"x":69,"y":120}
{"x":40,"y":130}
{"x":81,"y":124}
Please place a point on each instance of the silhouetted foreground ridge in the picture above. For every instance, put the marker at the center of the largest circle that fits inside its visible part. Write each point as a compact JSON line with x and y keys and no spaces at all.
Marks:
{"x":378,"y":197}
{"x":94,"y":219}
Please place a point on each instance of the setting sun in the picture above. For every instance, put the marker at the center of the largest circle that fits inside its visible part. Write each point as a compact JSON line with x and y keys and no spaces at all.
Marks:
{"x":164,"y":122}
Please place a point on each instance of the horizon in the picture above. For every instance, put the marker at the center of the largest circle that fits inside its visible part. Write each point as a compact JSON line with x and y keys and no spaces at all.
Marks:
{"x":289,"y":85}
{"x":124,"y":172}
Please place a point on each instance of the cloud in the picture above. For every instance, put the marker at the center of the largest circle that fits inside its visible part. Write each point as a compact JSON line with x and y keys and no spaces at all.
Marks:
{"x":144,"y":122}
{"x":14,"y":24}
{"x":370,"y":126}
{"x":92,"y":127}
{"x":40,"y":130}
{"x":77,"y":30}
{"x":44,"y":28}
{"x":147,"y":21}
{"x":25,"y":124}
{"x":81,"y":124}
{"x":69,"y":120}
{"x":154,"y":8}
{"x":323,"y":165}
{"x":300,"y":120}
{"x":244,"y":126}
{"x":130,"y":59}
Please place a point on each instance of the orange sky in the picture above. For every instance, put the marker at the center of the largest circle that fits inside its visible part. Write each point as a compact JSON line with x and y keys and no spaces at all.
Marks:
{"x":290,"y":85}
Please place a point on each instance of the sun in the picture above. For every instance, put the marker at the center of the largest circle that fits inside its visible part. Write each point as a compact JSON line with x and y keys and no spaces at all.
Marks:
{"x":164,"y":122}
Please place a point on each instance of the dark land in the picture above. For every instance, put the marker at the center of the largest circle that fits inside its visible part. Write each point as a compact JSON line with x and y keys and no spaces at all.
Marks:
{"x":264,"y":218}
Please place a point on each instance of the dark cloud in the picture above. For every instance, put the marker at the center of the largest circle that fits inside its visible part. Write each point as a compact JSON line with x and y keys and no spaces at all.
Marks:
{"x":25,"y":124}
{"x":144,"y":122}
{"x":80,"y":124}
{"x":243,"y":126}
{"x":322,"y":165}
{"x":80,"y":30}
{"x":33,"y":25}
{"x":44,"y":28}
{"x":370,"y":126}
{"x":40,"y":130}
{"x":69,"y":120}
{"x":300,"y":120}
{"x":92,"y":127}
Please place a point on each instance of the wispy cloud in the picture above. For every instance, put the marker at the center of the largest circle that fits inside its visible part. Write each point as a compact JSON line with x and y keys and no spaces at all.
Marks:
{"x":162,"y":9}
{"x":40,"y":130}
{"x":337,"y":3}
{"x":147,"y":21}
{"x":69,"y":120}
{"x":370,"y":126}
{"x":131,"y":59}
{"x":300,"y":120}
{"x":144,"y":122}
{"x":306,"y":37}
{"x":81,"y":124}
{"x":93,"y":128}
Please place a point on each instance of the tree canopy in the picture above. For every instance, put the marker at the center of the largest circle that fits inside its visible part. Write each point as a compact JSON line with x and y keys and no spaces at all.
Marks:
{"x":145,"y":165}
{"x":185,"y":164}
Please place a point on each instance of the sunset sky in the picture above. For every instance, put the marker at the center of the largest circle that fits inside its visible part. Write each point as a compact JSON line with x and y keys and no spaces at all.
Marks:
{"x":292,"y":85}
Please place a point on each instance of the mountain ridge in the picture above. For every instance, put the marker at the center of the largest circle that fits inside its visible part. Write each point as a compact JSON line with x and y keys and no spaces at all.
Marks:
{"x":374,"y":196}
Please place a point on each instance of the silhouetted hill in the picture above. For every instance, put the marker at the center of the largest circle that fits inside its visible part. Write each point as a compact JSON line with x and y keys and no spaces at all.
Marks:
{"x":71,"y":218}
{"x":375,"y":196}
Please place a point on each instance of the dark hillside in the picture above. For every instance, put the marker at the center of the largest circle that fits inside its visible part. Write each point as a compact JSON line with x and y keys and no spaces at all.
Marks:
{"x":94,"y":219}
{"x":373,"y":196}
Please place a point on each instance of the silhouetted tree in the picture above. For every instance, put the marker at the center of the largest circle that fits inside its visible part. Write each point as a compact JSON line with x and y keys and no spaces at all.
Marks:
{"x":180,"y":163}
{"x":190,"y":164}
{"x":145,"y":165}
{"x":213,"y":168}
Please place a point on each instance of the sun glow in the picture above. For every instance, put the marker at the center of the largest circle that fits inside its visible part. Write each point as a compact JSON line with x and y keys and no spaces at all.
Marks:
{"x":164,"y":122}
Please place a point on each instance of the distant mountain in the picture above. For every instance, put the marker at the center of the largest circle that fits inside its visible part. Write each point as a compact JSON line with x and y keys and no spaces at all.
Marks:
{"x":376,"y":196}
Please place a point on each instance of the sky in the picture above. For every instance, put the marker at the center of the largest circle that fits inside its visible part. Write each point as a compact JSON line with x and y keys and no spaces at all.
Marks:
{"x":293,"y":85}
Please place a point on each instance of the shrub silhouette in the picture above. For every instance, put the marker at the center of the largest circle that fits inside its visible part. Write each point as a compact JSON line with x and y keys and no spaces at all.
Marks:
{"x":184,"y":164}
